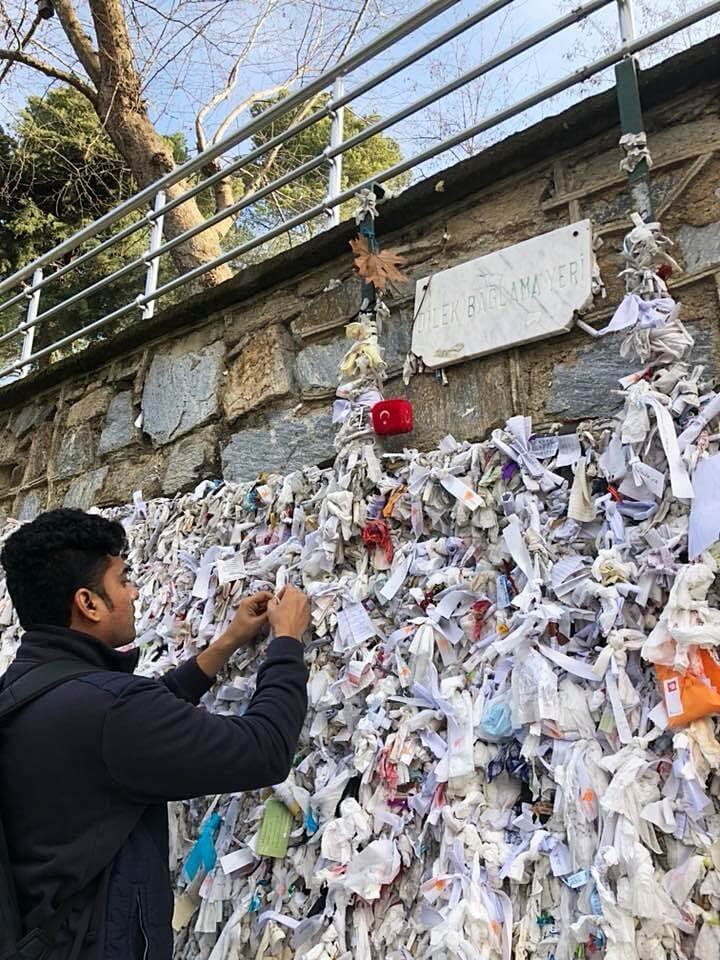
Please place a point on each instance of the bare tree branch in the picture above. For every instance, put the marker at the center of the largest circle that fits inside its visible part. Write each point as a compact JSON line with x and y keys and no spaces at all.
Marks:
{"x":13,"y":25}
{"x":351,"y":35}
{"x":18,"y":56}
{"x":308,"y":105}
{"x":223,"y":195}
{"x":65,"y":60}
{"x":81,"y":43}
{"x":267,"y":165}
{"x":223,"y":190}
{"x":248,"y":101}
{"x":23,"y":43}
{"x":225,"y":92}
{"x":204,"y":19}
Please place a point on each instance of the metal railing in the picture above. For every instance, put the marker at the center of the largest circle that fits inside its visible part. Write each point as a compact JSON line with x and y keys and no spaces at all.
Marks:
{"x":151,"y":205}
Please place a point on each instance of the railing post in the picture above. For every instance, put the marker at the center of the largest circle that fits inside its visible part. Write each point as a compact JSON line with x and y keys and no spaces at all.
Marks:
{"x":626,"y":15}
{"x":153,"y":266}
{"x":337,"y":128}
{"x":630,"y":108}
{"x":32,"y":312}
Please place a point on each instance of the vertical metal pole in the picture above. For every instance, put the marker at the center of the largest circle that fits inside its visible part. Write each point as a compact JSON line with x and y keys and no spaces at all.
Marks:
{"x":32,"y":312}
{"x":153,"y":266}
{"x":626,"y":15}
{"x":630,"y":108}
{"x":337,"y":127}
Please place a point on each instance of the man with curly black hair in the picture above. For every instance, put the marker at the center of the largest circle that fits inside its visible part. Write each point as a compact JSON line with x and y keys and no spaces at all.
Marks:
{"x":87,"y":768}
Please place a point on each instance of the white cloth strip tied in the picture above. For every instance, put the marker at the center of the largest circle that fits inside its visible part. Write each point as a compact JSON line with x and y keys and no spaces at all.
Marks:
{"x":636,"y":150}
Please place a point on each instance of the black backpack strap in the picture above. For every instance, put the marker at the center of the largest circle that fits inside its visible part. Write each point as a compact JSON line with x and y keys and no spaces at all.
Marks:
{"x":37,"y":943}
{"x":39,"y":680}
{"x":32,"y":684}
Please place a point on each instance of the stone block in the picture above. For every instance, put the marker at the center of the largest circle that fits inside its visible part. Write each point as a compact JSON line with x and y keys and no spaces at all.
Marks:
{"x":583,"y":385}
{"x":182,"y":390}
{"x":92,"y":405}
{"x":36,"y":459}
{"x":329,"y":309}
{"x":76,"y":451}
{"x":6,"y":511}
{"x":6,"y":479}
{"x":8,"y":448}
{"x":477,"y":398}
{"x":30,"y":505}
{"x":56,"y":493}
{"x":700,"y":245}
{"x":126,"y":368}
{"x":31,"y":416}
{"x":261,"y":372}
{"x":316,"y":366}
{"x":119,"y":428}
{"x":276,"y":306}
{"x":191,"y":460}
{"x":83,"y":491}
{"x":16,"y":475}
{"x":287,"y":444}
{"x":126,"y":476}
{"x":73,"y":390}
{"x":326,"y":274}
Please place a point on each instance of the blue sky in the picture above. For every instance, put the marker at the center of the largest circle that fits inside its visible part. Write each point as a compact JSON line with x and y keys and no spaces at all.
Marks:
{"x":173,"y":104}
{"x":551,"y":60}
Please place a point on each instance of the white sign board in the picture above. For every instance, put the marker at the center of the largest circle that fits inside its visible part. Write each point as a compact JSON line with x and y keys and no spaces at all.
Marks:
{"x":523,"y":293}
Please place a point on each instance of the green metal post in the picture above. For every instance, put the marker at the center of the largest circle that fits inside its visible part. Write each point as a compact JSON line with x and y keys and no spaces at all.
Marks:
{"x":630,"y":109}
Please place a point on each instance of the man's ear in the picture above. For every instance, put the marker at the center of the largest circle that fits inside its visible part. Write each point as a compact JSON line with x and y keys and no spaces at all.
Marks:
{"x":86,"y":603}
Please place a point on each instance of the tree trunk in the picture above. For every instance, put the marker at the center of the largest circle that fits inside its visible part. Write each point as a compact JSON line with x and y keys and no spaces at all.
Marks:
{"x":223,"y":197}
{"x":122,"y":111}
{"x":150,"y":158}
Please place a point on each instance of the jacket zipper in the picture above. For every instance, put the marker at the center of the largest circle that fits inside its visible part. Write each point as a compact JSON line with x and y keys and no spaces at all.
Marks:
{"x":142,"y":928}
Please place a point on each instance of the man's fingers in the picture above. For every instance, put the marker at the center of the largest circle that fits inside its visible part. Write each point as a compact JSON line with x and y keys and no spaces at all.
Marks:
{"x":260,"y":601}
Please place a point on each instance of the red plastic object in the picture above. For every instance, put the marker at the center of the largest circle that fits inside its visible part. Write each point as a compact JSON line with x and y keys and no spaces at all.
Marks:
{"x":376,"y":533}
{"x":392,"y":416}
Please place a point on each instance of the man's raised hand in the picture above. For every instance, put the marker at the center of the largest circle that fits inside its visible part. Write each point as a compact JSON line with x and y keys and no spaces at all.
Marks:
{"x":289,"y":613}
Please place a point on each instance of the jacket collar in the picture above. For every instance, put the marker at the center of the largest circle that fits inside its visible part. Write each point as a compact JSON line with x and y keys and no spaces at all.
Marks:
{"x":41,"y":644}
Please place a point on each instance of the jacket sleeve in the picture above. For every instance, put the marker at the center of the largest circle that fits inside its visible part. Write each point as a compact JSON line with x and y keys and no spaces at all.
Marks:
{"x":187,"y":681}
{"x":157,"y":747}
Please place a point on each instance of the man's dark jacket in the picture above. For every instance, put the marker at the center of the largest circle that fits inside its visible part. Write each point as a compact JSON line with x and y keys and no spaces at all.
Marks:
{"x":86,"y":770}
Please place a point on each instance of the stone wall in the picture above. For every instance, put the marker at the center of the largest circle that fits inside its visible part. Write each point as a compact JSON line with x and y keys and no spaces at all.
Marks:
{"x":241,"y":381}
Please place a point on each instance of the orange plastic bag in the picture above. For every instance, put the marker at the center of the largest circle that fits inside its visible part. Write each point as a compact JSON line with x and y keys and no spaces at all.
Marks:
{"x":694,"y":694}
{"x":711,"y":666}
